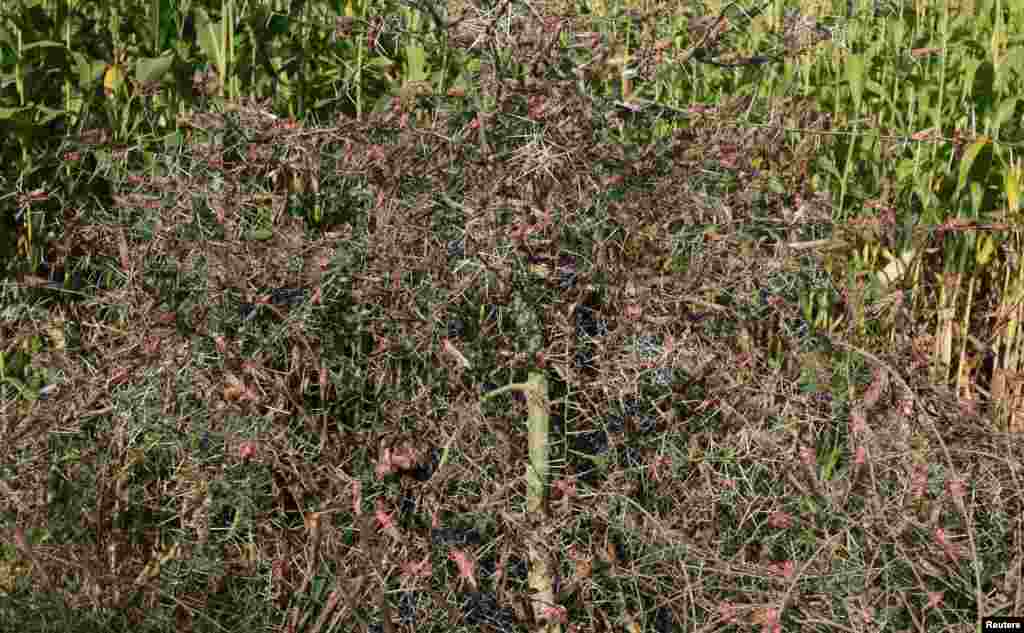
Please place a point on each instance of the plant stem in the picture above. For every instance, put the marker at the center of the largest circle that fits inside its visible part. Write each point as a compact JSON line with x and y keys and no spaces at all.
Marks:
{"x":541,"y":578}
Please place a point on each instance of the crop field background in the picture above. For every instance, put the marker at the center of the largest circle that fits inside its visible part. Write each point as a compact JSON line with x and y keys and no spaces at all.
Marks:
{"x":570,"y":316}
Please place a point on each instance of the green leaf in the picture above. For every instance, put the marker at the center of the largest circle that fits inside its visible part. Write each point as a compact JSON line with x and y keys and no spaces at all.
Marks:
{"x":379,"y":62}
{"x":261,"y":235}
{"x":212,"y":38}
{"x":10,"y":113}
{"x":855,"y":75}
{"x":904,"y":169}
{"x":26,"y":393}
{"x":153,"y":68}
{"x":89,"y":70}
{"x":278,"y":24}
{"x":967,"y":162}
{"x":415,"y":54}
{"x":42,"y":44}
{"x":828,"y":468}
{"x":1006,"y":110}
{"x":47,"y":114}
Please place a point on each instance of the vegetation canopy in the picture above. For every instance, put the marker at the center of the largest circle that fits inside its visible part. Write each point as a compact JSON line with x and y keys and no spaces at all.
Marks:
{"x":562,"y":316}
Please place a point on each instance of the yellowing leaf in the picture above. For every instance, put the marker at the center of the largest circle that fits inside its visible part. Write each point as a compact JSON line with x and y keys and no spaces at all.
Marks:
{"x":113,"y":78}
{"x":1012,"y":186}
{"x":56,"y":334}
{"x":986,"y":248}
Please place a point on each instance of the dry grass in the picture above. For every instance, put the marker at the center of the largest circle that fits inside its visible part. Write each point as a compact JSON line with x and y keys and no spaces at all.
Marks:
{"x":252,"y":407}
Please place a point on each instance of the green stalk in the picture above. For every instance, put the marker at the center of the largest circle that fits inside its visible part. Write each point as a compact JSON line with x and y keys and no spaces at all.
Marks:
{"x":1005,"y":390}
{"x":536,"y":391}
{"x":541,"y":577}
